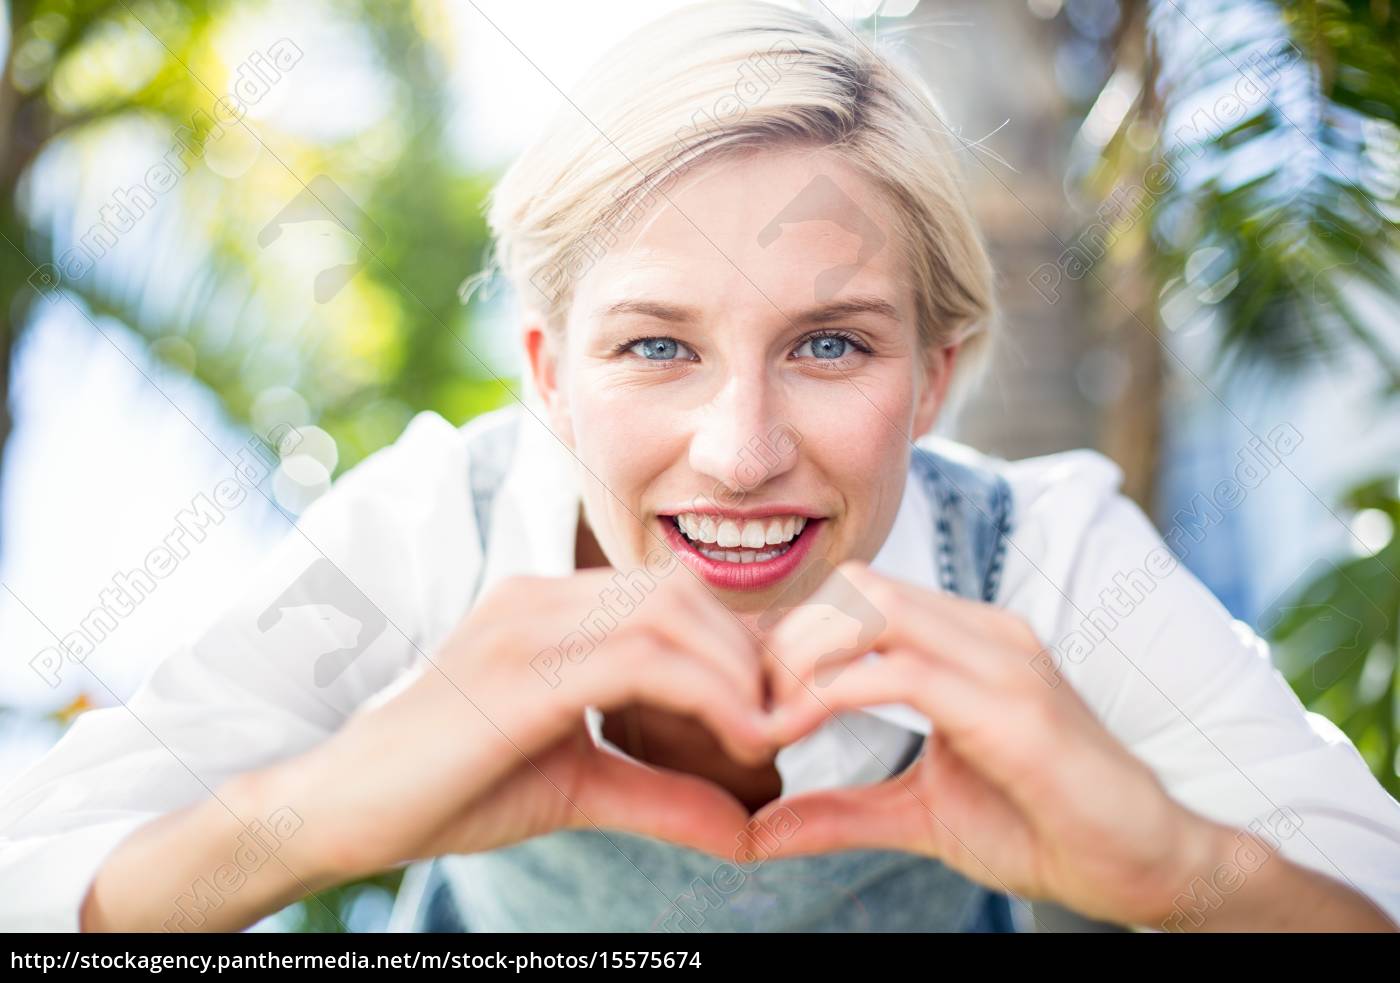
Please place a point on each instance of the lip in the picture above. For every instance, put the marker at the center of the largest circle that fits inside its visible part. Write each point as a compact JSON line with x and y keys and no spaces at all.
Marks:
{"x":743,"y":576}
{"x":699,"y":507}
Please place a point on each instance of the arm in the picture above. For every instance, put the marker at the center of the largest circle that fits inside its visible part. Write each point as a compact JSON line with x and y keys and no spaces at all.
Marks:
{"x":244,"y":693}
{"x":1194,"y":695}
{"x":211,"y":866}
{"x":1295,"y":833}
{"x":1239,"y":884}
{"x":1107,"y":757}
{"x":478,"y":752}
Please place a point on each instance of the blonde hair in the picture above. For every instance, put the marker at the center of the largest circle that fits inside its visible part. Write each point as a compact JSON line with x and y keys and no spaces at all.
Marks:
{"x":726,"y":77}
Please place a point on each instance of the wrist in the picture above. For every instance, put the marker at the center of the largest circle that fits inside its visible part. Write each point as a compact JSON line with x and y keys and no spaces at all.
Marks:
{"x":283,"y":810}
{"x":1202,"y":868}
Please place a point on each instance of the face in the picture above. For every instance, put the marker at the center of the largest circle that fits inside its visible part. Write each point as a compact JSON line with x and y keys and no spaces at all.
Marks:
{"x":741,"y":376}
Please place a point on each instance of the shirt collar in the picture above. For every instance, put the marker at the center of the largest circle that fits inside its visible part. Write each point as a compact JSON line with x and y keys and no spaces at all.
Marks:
{"x":534,"y":520}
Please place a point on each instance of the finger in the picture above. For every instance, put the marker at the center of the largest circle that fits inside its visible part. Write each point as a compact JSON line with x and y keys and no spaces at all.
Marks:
{"x":693,"y":620}
{"x":617,"y":793}
{"x":989,"y":849}
{"x":949,"y":622}
{"x":870,"y":817}
{"x":1005,"y":738}
{"x":811,"y":643}
{"x":979,"y":639}
{"x":804,"y":708}
{"x":650,"y":673}
{"x":672,"y":617}
{"x":835,"y":625}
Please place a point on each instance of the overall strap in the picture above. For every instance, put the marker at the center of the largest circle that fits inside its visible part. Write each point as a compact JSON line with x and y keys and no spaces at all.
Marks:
{"x":973,"y":512}
{"x":491,"y":441}
{"x":973,"y":515}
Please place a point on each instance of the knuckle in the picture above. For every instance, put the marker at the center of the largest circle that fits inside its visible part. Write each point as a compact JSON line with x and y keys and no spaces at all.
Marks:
{"x":634,"y":648}
{"x":909,"y":674}
{"x":880,"y":592}
{"x":1040,"y":713}
{"x":512,"y":594}
{"x":1020,"y":630}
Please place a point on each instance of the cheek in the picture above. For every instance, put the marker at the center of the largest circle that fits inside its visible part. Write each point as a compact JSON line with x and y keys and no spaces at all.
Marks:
{"x":623,"y":448}
{"x":616,"y":437}
{"x":860,"y":428}
{"x":859,"y":441}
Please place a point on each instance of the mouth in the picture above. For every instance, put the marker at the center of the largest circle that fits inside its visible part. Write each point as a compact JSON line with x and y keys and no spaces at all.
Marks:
{"x":733,"y":553}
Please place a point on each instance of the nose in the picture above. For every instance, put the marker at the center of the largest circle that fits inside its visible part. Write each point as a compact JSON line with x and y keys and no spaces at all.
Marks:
{"x":742,"y":440}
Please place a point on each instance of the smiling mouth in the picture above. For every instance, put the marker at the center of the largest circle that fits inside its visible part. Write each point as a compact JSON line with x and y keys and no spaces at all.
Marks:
{"x":742,"y":554}
{"x":739,"y":541}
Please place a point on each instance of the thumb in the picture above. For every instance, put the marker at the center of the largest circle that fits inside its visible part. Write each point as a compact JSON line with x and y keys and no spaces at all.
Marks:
{"x":867,"y":817}
{"x":618,"y":793}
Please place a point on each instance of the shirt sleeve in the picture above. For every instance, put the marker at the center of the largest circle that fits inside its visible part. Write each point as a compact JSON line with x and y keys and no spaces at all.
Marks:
{"x":1189,"y":690}
{"x":372,"y":576}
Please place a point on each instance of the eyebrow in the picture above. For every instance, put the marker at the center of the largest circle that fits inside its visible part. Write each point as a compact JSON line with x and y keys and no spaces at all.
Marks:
{"x":820,"y":314}
{"x":842,"y":309}
{"x":652,"y":309}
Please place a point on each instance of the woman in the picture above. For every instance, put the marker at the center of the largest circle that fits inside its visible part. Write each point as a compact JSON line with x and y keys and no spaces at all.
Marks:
{"x":700,"y":637}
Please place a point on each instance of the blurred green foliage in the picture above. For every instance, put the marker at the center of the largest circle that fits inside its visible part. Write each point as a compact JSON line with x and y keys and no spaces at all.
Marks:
{"x":1336,"y":638}
{"x":1283,"y":224}
{"x":87,"y":80}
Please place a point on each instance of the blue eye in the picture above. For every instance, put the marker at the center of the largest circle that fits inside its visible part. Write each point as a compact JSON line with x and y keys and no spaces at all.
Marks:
{"x":826,"y":346}
{"x":660,"y":349}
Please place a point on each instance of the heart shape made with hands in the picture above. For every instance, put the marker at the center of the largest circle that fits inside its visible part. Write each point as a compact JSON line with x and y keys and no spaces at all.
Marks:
{"x":1020,"y":787}
{"x":822,"y":635}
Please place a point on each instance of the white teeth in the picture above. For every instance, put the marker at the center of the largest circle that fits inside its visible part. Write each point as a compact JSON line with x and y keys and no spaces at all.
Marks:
{"x":741,"y":541}
{"x":753,"y":535}
{"x":729,"y":534}
{"x":773,"y":534}
{"x":745,"y":556}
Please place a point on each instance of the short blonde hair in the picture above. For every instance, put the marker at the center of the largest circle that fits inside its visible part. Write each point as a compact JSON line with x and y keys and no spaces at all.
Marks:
{"x":724,"y":77}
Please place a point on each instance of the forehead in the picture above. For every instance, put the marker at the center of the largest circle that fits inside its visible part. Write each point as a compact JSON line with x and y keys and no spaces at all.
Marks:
{"x":763,"y":234}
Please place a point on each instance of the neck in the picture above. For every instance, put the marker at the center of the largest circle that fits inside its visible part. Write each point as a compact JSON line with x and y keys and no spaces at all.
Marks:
{"x":587,"y":553}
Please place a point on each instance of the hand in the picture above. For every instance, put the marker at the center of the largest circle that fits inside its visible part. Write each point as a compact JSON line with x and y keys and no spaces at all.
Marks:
{"x":1019,"y":787}
{"x":482,"y":751}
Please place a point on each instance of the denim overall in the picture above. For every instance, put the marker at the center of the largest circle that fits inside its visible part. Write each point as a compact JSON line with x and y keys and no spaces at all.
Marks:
{"x":610,"y":881}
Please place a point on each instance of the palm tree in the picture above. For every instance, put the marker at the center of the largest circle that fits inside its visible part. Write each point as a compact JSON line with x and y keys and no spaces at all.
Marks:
{"x":85,"y":78}
{"x":1273,"y":205}
{"x":101,"y":77}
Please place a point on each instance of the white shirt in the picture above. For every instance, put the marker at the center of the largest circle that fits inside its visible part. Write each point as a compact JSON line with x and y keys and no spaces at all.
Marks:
{"x":1183,"y":686}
